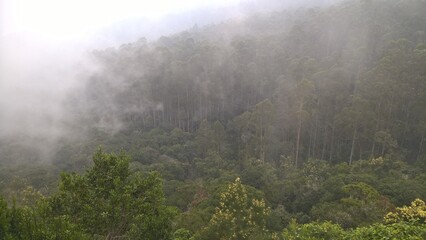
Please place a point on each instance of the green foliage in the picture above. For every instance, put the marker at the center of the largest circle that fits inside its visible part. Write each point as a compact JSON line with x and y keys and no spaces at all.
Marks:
{"x":110,"y":201}
{"x":311,"y":231}
{"x":4,"y":224}
{"x":323,"y":120}
{"x":402,"y":231}
{"x":37,"y":223}
{"x":415,"y":213}
{"x":181,"y":234}
{"x":327,"y":230}
{"x":364,"y":205}
{"x":237,"y":216}
{"x":106,"y":202}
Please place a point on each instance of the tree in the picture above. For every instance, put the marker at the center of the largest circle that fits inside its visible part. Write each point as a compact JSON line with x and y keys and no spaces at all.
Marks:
{"x":364,"y":204}
{"x":237,"y":216}
{"x":385,"y":139}
{"x":402,"y":231}
{"x":36,"y":223}
{"x":322,"y":231}
{"x":415,"y":213}
{"x":262,"y":119}
{"x":204,"y":138}
{"x":4,"y":224}
{"x":111,"y":202}
{"x":219,"y":136}
{"x":243,"y":137}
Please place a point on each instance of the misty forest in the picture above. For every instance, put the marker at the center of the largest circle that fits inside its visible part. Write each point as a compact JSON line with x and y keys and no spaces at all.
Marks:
{"x":293,"y":123}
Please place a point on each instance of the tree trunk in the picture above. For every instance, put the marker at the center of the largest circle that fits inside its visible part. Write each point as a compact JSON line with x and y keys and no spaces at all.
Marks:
{"x":324,"y":143}
{"x":314,"y":144}
{"x":299,"y":130}
{"x":332,"y":143}
{"x":420,"y":147}
{"x":404,"y":134}
{"x":187,"y":109}
{"x":352,"y":147}
{"x":374,"y":136}
{"x":310,"y":142}
{"x":373,"y":149}
{"x":178,"y":113}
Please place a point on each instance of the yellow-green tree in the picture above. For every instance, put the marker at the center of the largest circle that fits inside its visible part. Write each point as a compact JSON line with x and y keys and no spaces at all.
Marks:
{"x":237,"y":217}
{"x":415,"y":213}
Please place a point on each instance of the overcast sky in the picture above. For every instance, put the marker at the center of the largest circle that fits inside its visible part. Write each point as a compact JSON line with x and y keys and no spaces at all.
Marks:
{"x":68,"y":18}
{"x":44,"y":43}
{"x":40,"y":34}
{"x":42,"y":52}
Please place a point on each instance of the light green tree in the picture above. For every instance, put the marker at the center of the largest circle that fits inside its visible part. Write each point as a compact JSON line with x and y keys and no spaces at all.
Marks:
{"x":237,"y":217}
{"x":415,"y":213}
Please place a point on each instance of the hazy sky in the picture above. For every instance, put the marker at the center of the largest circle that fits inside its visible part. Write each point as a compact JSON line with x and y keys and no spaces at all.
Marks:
{"x":42,"y":53}
{"x":44,"y":46}
{"x":66,"y":18}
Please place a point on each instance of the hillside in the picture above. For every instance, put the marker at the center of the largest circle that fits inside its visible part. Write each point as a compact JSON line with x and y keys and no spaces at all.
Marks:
{"x":315,"y":117}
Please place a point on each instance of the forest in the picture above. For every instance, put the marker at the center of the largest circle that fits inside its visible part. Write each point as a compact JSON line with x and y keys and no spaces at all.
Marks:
{"x":305,"y":123}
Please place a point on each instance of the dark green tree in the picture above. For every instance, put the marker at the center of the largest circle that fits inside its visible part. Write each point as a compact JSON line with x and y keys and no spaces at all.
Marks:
{"x":109,"y":201}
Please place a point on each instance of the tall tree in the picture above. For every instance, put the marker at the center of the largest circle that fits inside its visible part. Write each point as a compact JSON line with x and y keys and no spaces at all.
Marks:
{"x":237,"y":216}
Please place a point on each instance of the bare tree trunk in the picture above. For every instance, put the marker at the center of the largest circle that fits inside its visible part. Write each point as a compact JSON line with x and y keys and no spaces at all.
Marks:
{"x":178,"y":113}
{"x":324,"y":140}
{"x":420,"y":147}
{"x":187,"y":110}
{"x":310,"y":142}
{"x":352,"y":147}
{"x":262,"y":146}
{"x":373,"y":149}
{"x":383,"y":149}
{"x":299,"y":130}
{"x":170,"y":117}
{"x":374,"y":136}
{"x":332,"y":143}
{"x":314,"y":144}
{"x":404,"y":134}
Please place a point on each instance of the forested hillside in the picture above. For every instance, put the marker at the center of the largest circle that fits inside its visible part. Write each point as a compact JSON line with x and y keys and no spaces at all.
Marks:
{"x":293,"y":124}
{"x":336,"y":84}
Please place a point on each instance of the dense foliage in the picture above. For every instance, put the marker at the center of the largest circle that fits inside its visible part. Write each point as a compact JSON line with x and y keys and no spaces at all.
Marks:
{"x":338,"y":84}
{"x":301,"y":124}
{"x":107,"y":202}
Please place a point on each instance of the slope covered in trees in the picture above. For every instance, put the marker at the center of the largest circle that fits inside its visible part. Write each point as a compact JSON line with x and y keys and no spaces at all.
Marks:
{"x":110,"y":201}
{"x":344,"y":83}
{"x":319,"y":113}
